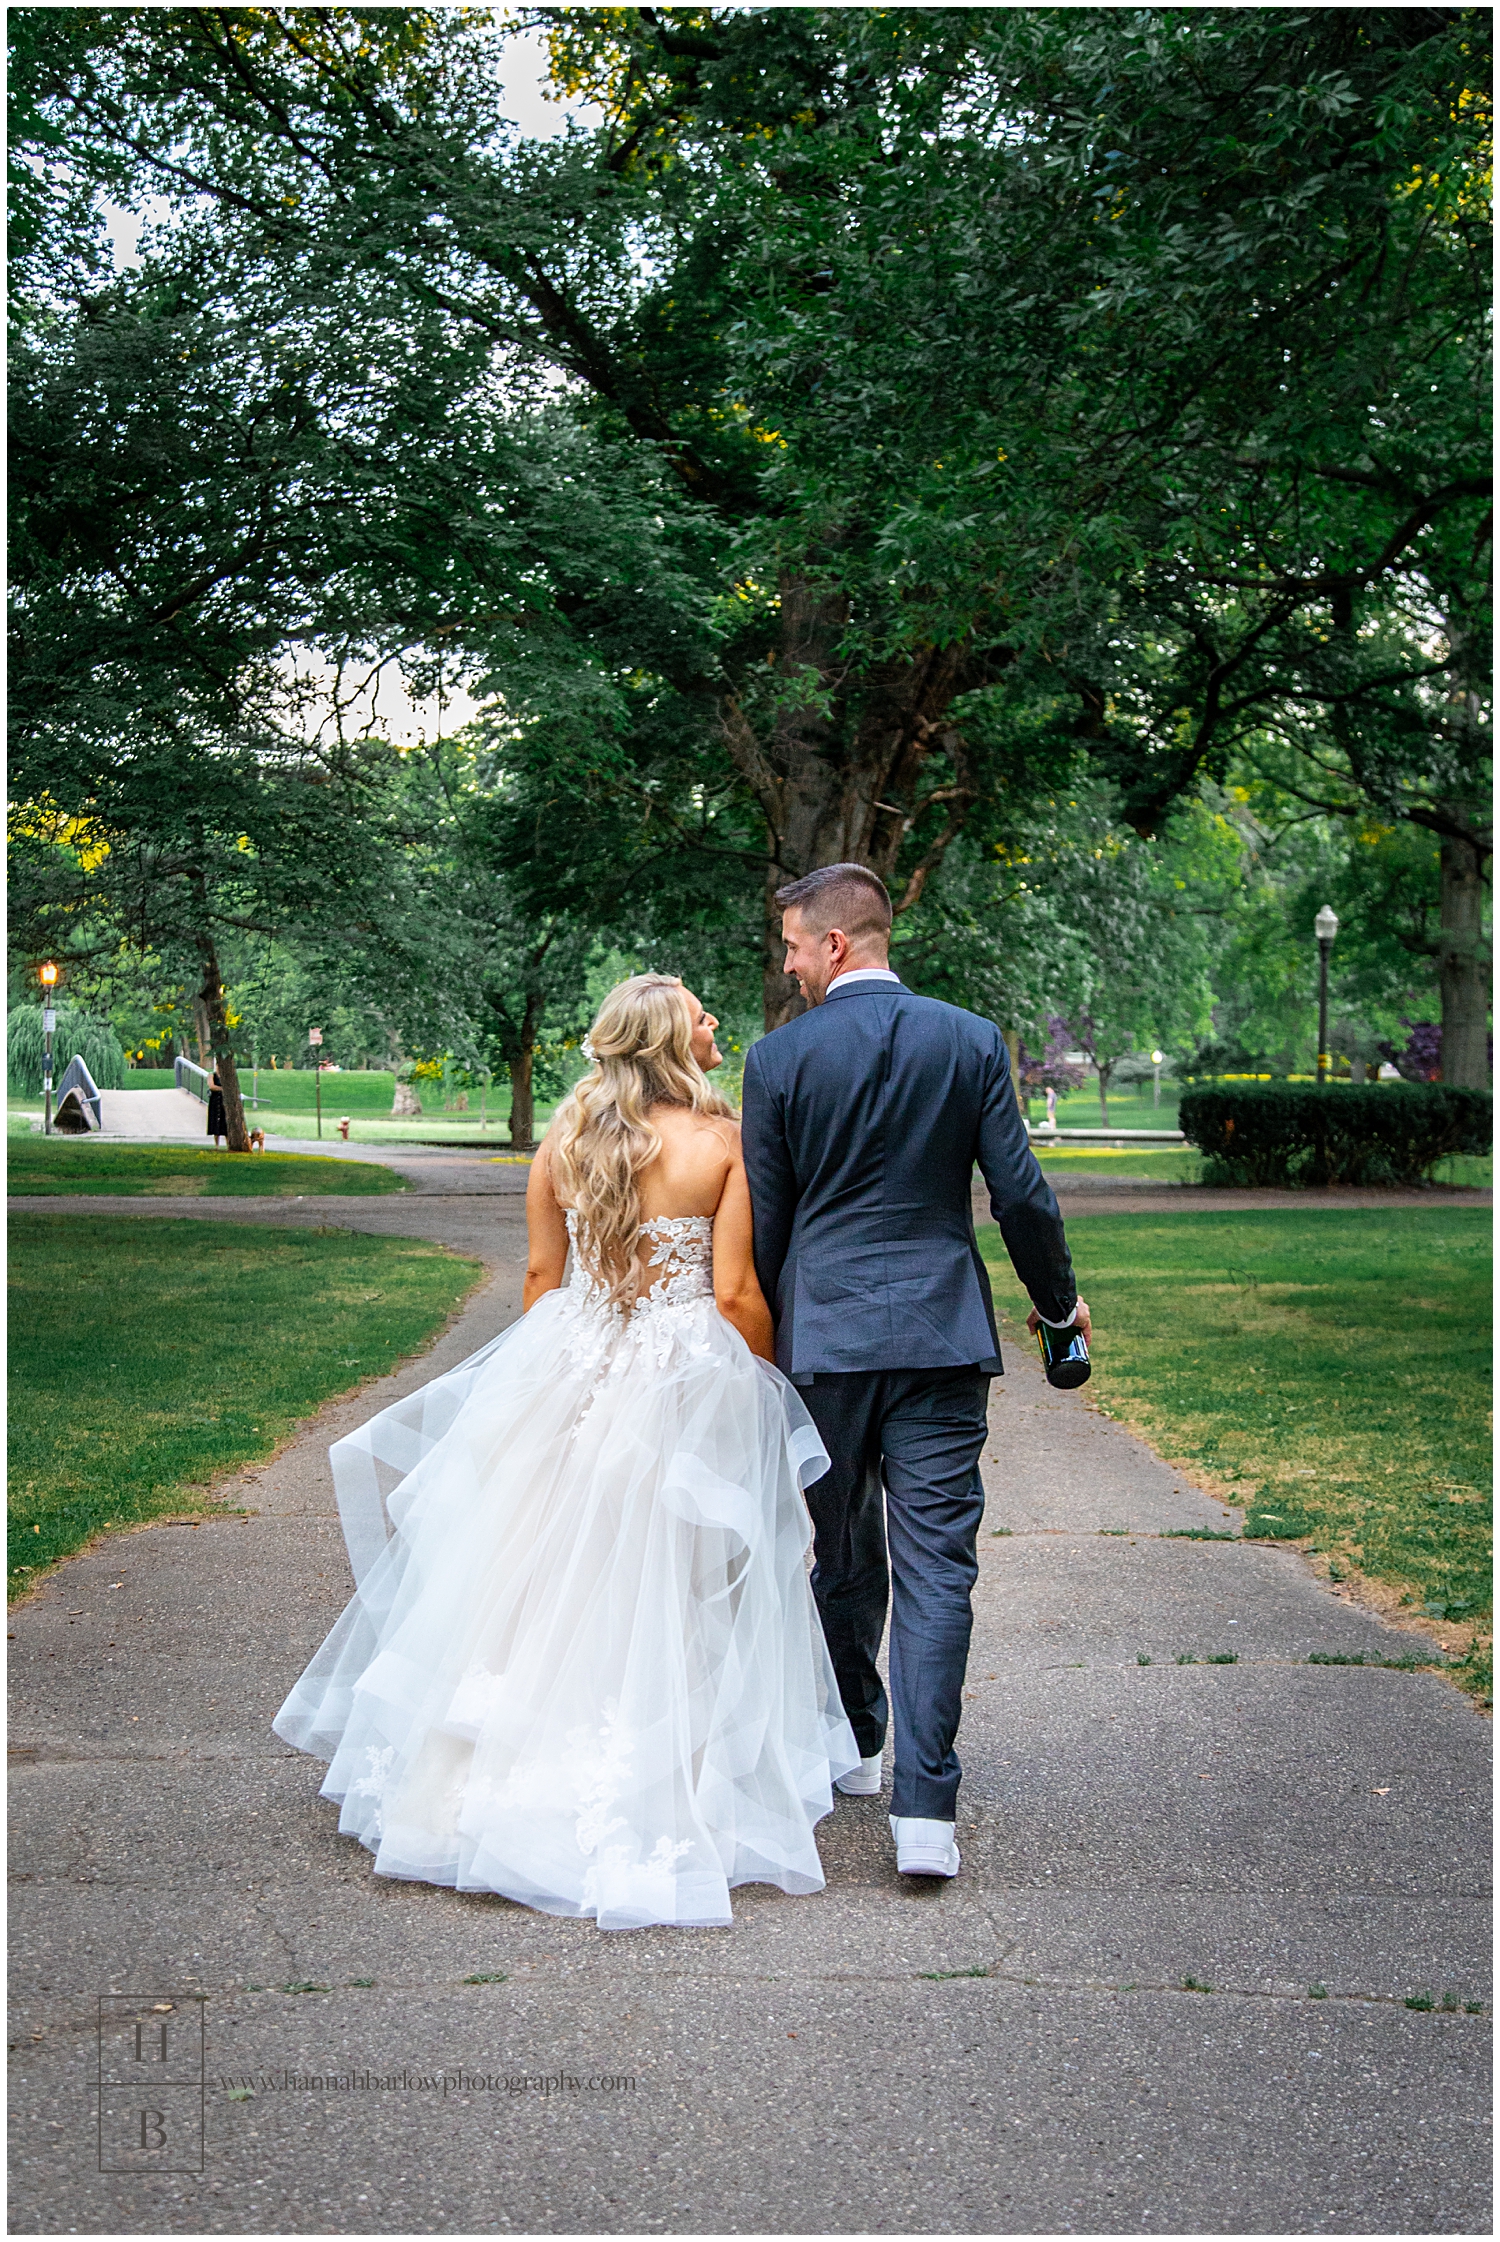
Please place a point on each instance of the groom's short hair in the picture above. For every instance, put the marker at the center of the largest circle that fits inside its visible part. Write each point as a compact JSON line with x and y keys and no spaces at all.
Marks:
{"x":848,"y":896}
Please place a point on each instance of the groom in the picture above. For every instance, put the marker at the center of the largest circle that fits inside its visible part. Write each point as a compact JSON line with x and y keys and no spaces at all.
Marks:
{"x":863,"y":1119}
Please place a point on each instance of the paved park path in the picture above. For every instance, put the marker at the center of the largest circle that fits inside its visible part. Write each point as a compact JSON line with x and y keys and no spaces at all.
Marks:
{"x":1032,"y":2049}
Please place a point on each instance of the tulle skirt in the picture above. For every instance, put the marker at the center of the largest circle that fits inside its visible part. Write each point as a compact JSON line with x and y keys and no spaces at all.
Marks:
{"x":583,"y":1666}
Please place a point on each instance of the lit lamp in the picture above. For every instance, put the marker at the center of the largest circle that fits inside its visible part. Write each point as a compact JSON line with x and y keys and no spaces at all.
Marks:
{"x":1156,"y":1059}
{"x":49,"y":1022}
{"x":1325,"y":926}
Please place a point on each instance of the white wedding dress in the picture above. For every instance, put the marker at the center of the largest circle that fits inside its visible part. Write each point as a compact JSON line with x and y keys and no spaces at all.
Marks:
{"x":583,"y":1666}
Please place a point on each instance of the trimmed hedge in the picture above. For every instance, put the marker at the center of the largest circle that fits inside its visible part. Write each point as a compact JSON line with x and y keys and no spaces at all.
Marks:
{"x":1301,"y":1133}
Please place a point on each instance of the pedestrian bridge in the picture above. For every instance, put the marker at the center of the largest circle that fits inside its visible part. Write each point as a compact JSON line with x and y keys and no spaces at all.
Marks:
{"x":151,"y":1115}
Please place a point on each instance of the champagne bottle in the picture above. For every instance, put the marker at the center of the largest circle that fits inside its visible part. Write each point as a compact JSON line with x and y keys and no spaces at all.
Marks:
{"x":1065,"y":1355}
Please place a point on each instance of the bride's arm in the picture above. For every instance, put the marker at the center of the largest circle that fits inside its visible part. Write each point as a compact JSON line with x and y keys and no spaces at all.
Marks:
{"x":546,"y":1231}
{"x":737,"y":1291}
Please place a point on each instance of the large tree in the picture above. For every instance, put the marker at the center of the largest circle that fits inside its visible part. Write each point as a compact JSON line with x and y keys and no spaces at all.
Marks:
{"x":947,"y":327}
{"x":170,"y":548}
{"x":227,"y":526}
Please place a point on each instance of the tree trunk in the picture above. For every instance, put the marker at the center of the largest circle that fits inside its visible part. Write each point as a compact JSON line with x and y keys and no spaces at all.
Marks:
{"x":1462,"y":979}
{"x":839,"y":778}
{"x":522,"y":1101}
{"x":780,"y":998}
{"x":1104,"y":1074}
{"x":211,"y":998}
{"x":1013,"y":1046}
{"x":522,"y":1104}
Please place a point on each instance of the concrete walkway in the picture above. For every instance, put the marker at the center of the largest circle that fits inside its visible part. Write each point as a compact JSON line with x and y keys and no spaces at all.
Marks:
{"x":1166,"y":1994}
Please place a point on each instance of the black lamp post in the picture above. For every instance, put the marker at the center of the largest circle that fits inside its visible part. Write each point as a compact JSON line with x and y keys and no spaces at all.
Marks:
{"x":1325,"y":926}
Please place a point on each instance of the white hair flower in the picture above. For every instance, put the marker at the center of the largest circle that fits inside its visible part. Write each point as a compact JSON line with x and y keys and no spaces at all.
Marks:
{"x":589,"y":1052}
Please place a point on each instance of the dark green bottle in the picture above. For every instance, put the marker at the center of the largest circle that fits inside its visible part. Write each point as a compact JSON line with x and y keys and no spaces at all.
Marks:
{"x":1065,"y":1355}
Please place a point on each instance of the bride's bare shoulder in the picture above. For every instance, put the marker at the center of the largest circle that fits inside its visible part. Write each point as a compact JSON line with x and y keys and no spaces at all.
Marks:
{"x":541,"y":1182}
{"x":730,"y":1138}
{"x":687,"y":1127}
{"x":698,"y":1150}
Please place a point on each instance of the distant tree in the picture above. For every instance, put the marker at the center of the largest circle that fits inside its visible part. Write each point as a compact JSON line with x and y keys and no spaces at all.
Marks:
{"x":1381,"y":878}
{"x":1420,"y":1057}
{"x":77,"y":1035}
{"x":225,"y":530}
{"x":458,"y":962}
{"x":1049,"y":1068}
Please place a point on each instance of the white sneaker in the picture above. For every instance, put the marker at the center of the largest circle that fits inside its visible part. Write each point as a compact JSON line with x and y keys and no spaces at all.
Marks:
{"x":862,"y":1781}
{"x":924,"y":1848}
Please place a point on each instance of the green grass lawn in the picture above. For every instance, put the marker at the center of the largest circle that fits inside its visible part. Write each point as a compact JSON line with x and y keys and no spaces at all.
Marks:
{"x":287,"y":1106}
{"x":294,"y":1090}
{"x":1129,"y":1108}
{"x":1179,"y":1163}
{"x":1465,"y":1169}
{"x":63,"y":1167}
{"x":1330,"y":1369}
{"x":148,"y":1358}
{"x":433,"y":1127}
{"x":1163,"y":1163}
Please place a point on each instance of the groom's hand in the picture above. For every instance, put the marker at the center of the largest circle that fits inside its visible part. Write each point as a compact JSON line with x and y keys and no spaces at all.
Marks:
{"x":1081,"y":1322}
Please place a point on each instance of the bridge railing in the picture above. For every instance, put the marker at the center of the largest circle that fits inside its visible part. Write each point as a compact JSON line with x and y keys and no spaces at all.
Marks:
{"x":77,"y":1109}
{"x":194,"y":1079}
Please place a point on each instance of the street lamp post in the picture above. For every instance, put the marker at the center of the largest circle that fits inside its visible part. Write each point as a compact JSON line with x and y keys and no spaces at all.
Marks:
{"x":1325,"y":926}
{"x":49,"y":1023}
{"x":315,"y":1038}
{"x":1156,"y":1059}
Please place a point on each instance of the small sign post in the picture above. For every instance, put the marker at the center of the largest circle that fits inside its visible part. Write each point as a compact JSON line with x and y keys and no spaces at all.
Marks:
{"x":315,"y":1038}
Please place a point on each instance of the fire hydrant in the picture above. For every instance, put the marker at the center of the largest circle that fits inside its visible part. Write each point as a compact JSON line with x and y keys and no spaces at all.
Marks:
{"x":344,"y":1128}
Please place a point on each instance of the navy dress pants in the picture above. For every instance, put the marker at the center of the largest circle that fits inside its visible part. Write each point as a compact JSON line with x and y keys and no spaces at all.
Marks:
{"x":905,"y":1446}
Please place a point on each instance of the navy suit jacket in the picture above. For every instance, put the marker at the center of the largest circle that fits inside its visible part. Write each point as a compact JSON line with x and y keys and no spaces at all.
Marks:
{"x":863,"y":1119}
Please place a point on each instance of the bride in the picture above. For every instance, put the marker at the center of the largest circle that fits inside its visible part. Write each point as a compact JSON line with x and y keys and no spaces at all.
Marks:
{"x":582,"y":1666}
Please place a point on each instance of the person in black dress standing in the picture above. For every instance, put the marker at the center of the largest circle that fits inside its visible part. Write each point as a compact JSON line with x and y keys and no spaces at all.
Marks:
{"x":218,"y":1124}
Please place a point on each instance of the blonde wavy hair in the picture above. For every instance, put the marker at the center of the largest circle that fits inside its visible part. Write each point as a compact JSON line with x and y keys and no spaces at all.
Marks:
{"x":642,"y":1050}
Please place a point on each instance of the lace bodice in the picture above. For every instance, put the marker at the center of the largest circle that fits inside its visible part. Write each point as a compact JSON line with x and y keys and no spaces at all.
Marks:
{"x":680,"y":1259}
